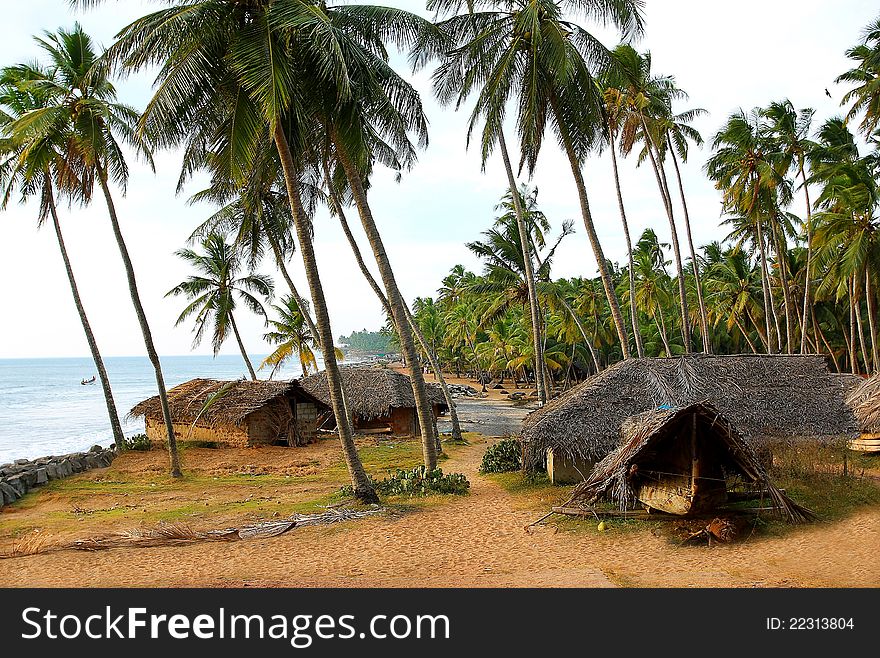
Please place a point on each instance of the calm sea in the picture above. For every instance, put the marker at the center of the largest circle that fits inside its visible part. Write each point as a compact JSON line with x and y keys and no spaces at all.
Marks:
{"x":45,"y":410}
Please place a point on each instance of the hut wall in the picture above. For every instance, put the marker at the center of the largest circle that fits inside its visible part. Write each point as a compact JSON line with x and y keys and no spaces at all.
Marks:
{"x":226,"y":434}
{"x":268,"y":425}
{"x":404,"y":422}
{"x":378,"y":423}
{"x":307,"y":420}
{"x":563,"y":470}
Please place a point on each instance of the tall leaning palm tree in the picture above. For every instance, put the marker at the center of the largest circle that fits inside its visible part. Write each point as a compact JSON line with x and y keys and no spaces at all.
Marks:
{"x":212,"y":293}
{"x":34,"y":167}
{"x":231,"y":74}
{"x":83,"y":101}
{"x":372,"y":125}
{"x":524,"y":53}
{"x":753,"y":188}
{"x":647,"y":101}
{"x":790,"y":132}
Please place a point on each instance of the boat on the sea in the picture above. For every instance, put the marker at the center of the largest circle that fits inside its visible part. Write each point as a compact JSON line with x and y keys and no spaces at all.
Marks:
{"x":86,"y":382}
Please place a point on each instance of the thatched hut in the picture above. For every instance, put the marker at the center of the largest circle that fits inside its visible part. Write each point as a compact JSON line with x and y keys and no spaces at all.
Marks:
{"x":380,"y":400}
{"x":765,"y":397}
{"x":864,"y":400}
{"x":679,"y":461}
{"x":239,"y":413}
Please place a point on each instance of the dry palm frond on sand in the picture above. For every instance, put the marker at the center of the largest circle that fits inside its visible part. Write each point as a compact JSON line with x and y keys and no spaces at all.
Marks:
{"x":179,"y":534}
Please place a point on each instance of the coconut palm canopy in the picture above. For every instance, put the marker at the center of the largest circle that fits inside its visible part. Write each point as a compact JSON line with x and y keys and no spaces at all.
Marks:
{"x":617,"y":476}
{"x":864,"y":400}
{"x":371,"y":392}
{"x":223,"y":402}
{"x":763,"y":396}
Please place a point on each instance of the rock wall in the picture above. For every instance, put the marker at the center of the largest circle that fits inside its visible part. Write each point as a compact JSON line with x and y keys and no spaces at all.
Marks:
{"x":19,"y":477}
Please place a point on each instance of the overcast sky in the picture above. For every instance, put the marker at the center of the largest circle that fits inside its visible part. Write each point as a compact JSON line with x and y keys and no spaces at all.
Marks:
{"x":726,"y":55}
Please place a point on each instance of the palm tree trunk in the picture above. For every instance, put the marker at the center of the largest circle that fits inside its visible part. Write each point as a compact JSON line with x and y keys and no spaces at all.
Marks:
{"x":607,"y":283}
{"x":866,"y":357}
{"x":395,"y":299}
{"x":676,"y":245}
{"x":704,"y":316}
{"x":580,"y":327}
{"x":142,"y":320}
{"x":525,"y":245}
{"x":765,"y":341}
{"x":363,"y":488}
{"x":808,"y":274}
{"x":782,"y":261}
{"x":115,"y":425}
{"x":765,"y":285}
{"x":432,"y":357}
{"x":853,"y":350}
{"x":745,"y":335}
{"x":634,"y":314}
{"x":244,"y":354}
{"x":818,"y":329}
{"x":661,"y":325}
{"x":303,"y":308}
{"x":869,"y":300}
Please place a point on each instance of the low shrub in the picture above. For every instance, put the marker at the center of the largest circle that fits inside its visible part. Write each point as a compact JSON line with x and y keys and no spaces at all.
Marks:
{"x":137,"y":442}
{"x":417,"y":482}
{"x":502,"y":457}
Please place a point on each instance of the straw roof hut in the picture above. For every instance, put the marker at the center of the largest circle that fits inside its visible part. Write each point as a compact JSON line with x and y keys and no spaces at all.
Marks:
{"x":765,"y":397}
{"x":864,"y":400}
{"x":678,"y":461}
{"x":380,"y":400}
{"x":240,"y":413}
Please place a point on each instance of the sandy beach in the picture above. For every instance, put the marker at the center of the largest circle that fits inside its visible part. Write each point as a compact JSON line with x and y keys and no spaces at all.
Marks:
{"x":478,"y":540}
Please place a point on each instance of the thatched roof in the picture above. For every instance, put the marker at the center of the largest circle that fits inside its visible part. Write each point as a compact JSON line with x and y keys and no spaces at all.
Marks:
{"x":371,"y":392}
{"x":763,"y":396}
{"x":617,"y":476}
{"x":864,"y":400}
{"x":234,"y":402}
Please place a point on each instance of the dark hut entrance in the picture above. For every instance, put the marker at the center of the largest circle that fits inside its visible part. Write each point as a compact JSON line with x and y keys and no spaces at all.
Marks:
{"x":679,"y":461}
{"x":682,"y":471}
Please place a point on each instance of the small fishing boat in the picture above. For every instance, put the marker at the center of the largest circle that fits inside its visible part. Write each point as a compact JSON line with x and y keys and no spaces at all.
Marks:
{"x":86,"y":382}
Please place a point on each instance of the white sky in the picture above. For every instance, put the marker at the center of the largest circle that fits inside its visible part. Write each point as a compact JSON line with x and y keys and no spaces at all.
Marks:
{"x":726,"y":55}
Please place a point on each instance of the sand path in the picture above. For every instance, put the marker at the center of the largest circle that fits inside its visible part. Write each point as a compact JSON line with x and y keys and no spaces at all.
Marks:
{"x":474,"y":541}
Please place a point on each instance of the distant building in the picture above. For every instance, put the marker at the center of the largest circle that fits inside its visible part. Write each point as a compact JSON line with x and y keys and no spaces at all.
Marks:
{"x":380,"y":400}
{"x":239,"y":413}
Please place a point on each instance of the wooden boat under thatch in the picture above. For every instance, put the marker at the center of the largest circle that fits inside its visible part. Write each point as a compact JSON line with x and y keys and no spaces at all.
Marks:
{"x":864,"y":400}
{"x":680,"y":461}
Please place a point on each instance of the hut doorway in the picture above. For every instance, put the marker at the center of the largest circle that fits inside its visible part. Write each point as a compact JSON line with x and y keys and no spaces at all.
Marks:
{"x":683,"y":472}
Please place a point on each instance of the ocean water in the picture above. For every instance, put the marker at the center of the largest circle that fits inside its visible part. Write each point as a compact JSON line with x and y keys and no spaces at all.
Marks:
{"x":45,"y":410}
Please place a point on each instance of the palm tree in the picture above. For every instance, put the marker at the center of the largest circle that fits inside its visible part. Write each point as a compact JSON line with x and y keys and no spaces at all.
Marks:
{"x":231,"y":73}
{"x":292,"y":336}
{"x":848,"y":229}
{"x":366,"y":117}
{"x":82,"y":101}
{"x":614,"y":110}
{"x":731,"y":283}
{"x":647,"y":102}
{"x":753,"y":189}
{"x":790,"y":130}
{"x":652,"y":292}
{"x":212,"y":293}
{"x":865,"y":97}
{"x":33,"y":166}
{"x":256,"y":213}
{"x":524,"y":51}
